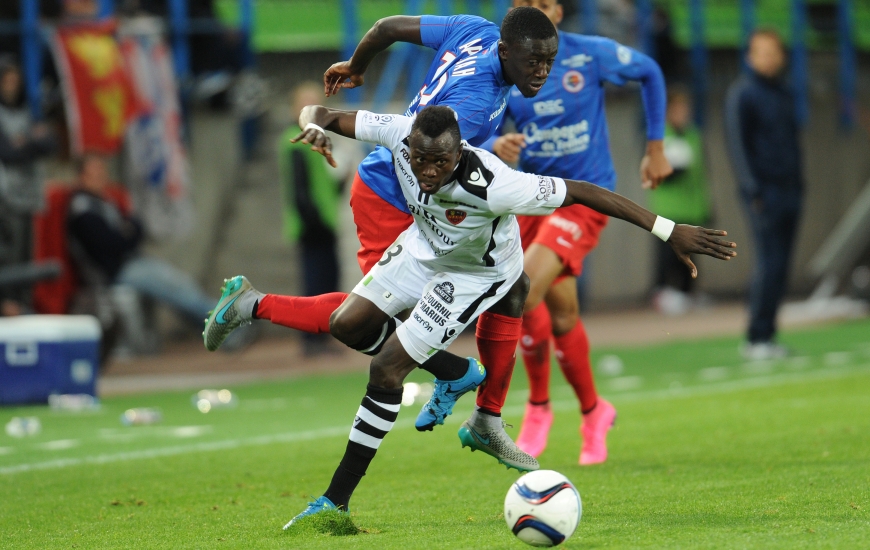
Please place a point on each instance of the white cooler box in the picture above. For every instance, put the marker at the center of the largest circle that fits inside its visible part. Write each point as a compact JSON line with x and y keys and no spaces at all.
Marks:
{"x":45,"y":354}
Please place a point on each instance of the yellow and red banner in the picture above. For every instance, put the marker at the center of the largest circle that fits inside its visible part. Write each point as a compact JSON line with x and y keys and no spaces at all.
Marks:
{"x":99,"y":97}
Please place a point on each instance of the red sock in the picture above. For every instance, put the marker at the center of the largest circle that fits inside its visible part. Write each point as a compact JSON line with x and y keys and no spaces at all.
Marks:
{"x":305,"y":313}
{"x":535,"y":345}
{"x":572,"y":352}
{"x":497,"y":337}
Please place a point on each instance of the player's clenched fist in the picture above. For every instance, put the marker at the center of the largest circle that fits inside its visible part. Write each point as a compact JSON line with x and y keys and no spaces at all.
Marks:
{"x":509,"y":146}
{"x":690,"y":239}
{"x":341,"y":75}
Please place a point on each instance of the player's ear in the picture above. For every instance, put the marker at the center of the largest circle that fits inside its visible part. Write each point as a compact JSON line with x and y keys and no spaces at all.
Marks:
{"x":502,"y":50}
{"x":559,"y":13}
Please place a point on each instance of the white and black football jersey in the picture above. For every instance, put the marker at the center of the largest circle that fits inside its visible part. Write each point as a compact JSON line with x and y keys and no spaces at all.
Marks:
{"x":469,"y":223}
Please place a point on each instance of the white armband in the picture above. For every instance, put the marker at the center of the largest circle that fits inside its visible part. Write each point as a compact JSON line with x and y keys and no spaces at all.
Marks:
{"x":663,"y":228}
{"x":312,"y":126}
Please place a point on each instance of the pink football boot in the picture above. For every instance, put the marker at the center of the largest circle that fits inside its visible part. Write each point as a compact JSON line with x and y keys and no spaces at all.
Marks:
{"x":594,"y":431}
{"x":536,"y":426}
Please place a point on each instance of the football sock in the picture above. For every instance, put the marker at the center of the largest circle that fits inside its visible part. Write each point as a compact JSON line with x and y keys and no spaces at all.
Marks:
{"x":497,"y":337}
{"x":535,"y":346}
{"x":374,"y":419}
{"x":446,"y":366}
{"x":305,"y":313}
{"x":572,"y":352}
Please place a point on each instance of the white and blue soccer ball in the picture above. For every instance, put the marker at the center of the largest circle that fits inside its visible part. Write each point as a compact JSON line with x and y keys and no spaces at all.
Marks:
{"x":542,"y":508}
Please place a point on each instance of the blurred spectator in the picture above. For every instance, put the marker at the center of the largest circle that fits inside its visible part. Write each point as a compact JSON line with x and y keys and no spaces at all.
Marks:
{"x":312,"y":194}
{"x":682,"y":197}
{"x":22,"y":143}
{"x":106,"y":243}
{"x":762,"y":134}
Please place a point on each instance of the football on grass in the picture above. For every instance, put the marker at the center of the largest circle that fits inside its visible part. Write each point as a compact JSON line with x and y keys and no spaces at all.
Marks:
{"x":542,"y":508}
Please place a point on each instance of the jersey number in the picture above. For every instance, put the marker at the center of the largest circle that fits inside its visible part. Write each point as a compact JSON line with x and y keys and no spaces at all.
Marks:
{"x":446,"y":60}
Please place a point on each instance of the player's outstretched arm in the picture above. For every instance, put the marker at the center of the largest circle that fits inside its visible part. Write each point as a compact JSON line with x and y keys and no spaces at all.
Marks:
{"x":684,"y":239}
{"x":384,"y":33}
{"x":315,"y":118}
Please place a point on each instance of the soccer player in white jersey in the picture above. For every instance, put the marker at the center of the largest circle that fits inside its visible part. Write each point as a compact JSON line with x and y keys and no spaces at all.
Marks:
{"x":460,"y":256}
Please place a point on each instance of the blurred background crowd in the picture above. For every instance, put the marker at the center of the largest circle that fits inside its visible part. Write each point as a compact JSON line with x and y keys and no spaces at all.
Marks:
{"x":145,"y":155}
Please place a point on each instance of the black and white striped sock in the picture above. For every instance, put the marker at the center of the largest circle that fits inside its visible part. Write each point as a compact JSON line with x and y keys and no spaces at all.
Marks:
{"x":374,"y":419}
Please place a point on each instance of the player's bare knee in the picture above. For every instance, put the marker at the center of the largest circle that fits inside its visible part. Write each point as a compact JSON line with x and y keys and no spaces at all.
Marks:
{"x":385,"y":375}
{"x":512,"y":303}
{"x":563,"y":321}
{"x":345,"y":328}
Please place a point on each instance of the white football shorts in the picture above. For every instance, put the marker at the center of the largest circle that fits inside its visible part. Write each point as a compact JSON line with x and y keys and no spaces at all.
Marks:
{"x":444,"y":302}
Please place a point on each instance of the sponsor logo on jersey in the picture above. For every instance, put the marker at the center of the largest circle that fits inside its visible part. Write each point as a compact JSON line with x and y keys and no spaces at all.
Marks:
{"x":575,"y":61}
{"x":377,"y":120}
{"x":546,"y":188}
{"x":455,"y":216}
{"x":476,"y":178}
{"x":623,"y":54}
{"x":499,"y":110}
{"x":564,"y":242}
{"x":445,"y":292}
{"x":573,"y":81}
{"x":549,"y":107}
{"x":558,"y":140}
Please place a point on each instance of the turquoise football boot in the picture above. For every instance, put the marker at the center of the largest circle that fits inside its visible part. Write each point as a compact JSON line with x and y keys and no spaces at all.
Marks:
{"x":440,"y":405}
{"x":322,"y":504}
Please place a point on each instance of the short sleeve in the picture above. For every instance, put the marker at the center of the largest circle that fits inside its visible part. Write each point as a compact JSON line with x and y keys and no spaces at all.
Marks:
{"x":515,"y":192}
{"x":386,"y":130}
{"x":436,"y":30}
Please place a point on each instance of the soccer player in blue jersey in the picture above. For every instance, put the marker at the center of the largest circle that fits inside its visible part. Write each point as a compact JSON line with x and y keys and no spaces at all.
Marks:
{"x":475,"y":67}
{"x":562,"y":131}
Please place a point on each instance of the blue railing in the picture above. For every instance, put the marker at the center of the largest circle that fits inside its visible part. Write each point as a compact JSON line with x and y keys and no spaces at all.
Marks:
{"x":181,"y":26}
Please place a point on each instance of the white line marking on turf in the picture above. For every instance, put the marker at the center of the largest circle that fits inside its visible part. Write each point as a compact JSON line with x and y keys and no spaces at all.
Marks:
{"x":59,"y":444}
{"x":515,"y":410}
{"x":714,"y":373}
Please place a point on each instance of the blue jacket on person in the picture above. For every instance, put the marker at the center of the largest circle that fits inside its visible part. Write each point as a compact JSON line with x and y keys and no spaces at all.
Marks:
{"x":762,"y":134}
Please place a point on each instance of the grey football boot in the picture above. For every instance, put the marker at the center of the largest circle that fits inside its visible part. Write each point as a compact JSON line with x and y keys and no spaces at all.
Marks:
{"x":483,"y":432}
{"x":232,"y":310}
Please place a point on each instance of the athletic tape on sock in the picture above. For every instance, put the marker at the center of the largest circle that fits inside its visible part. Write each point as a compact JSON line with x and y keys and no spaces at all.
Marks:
{"x":663,"y":228}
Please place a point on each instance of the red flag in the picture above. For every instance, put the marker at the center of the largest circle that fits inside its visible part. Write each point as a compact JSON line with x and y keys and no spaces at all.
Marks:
{"x":98,"y":94}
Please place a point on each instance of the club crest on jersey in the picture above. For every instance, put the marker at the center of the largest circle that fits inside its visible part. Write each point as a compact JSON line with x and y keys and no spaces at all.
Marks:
{"x":573,"y":81}
{"x":445,"y":291}
{"x":455,"y":216}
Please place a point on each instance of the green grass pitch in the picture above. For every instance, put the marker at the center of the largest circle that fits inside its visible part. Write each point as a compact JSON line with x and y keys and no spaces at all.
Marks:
{"x":708,"y":452}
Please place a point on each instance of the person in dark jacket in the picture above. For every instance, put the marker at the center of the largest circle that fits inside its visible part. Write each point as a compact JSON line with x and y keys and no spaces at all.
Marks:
{"x":762,"y":133}
{"x":23,"y":143}
{"x":106,"y":242}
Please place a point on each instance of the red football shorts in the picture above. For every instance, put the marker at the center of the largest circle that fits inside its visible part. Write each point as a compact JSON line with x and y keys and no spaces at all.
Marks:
{"x":378,"y":223}
{"x":572,"y":232}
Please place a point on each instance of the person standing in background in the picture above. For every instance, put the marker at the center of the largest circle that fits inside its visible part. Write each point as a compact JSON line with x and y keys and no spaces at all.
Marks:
{"x":311,"y":196}
{"x":762,"y":134}
{"x":682,"y":197}
{"x":22,"y":143}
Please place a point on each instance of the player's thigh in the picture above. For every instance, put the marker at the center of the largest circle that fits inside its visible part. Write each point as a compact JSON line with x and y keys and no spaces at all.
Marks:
{"x":450,"y":301}
{"x":378,"y":223}
{"x":561,"y":300}
{"x":542,"y":265}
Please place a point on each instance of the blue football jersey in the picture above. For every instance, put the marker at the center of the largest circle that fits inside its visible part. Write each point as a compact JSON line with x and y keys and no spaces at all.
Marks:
{"x":565,"y":125}
{"x":466,"y":76}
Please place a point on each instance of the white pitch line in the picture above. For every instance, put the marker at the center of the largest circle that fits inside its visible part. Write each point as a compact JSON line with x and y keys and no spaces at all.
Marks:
{"x":291,"y":437}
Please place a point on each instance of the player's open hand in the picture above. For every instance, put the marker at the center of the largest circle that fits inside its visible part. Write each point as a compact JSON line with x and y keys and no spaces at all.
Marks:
{"x":690,"y":239}
{"x":654,"y":167}
{"x":509,"y":146}
{"x":319,"y":141}
{"x":341,"y":75}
